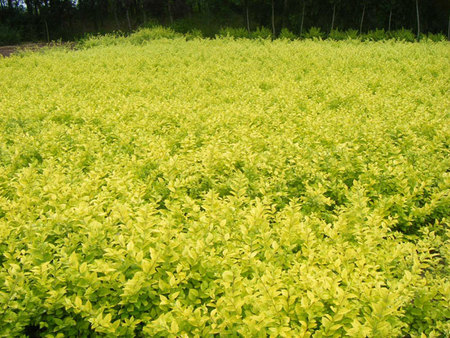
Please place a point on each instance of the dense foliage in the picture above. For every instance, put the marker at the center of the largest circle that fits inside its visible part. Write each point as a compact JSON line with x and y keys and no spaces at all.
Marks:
{"x":26,"y":20}
{"x":248,"y":187}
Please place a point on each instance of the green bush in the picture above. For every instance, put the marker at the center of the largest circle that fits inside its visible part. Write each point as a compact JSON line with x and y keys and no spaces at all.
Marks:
{"x":352,"y":34}
{"x":261,"y":33}
{"x":9,"y":36}
{"x":286,"y":34}
{"x":439,"y":37}
{"x":402,"y":35}
{"x":337,"y":35}
{"x":194,"y":34}
{"x":148,"y":34}
{"x":314,"y":33}
{"x":91,"y":41}
{"x":375,"y":35}
{"x":235,"y":33}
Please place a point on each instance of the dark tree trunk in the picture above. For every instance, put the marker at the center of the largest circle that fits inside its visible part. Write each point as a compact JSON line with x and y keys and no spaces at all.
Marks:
{"x":144,"y":14}
{"x":334,"y":15}
{"x":96,"y":21}
{"x":285,"y":14}
{"x":102,"y":22}
{"x":46,"y":30}
{"x":362,"y":19}
{"x":448,"y":29}
{"x":303,"y":18}
{"x":29,"y":7}
{"x":116,"y":18}
{"x":273,"y":19}
{"x":127,"y":12}
{"x":37,"y":8}
{"x":390,"y":20}
{"x":169,"y":9}
{"x":247,"y":16}
{"x":418,"y":20}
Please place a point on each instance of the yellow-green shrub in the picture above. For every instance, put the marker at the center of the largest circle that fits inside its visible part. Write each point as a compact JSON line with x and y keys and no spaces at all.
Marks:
{"x":206,"y":187}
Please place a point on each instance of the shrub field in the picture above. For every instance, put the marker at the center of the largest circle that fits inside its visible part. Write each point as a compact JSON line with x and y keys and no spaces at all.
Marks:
{"x":226,"y":187}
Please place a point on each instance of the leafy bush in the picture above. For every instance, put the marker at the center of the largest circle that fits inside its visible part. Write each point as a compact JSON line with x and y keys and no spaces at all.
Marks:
{"x":375,"y":35}
{"x":261,"y":33}
{"x":91,"y":41}
{"x":139,"y":37}
{"x":209,"y":188}
{"x":235,"y":33}
{"x":145,"y":35}
{"x":314,"y":33}
{"x":337,"y":35}
{"x":286,"y":34}
{"x":194,"y":34}
{"x":352,"y":34}
{"x":9,"y":36}
{"x":402,"y":35}
{"x":439,"y":37}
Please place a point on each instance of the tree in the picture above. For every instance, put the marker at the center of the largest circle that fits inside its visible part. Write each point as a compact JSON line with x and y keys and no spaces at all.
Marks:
{"x":390,"y":15}
{"x":285,"y":17}
{"x":169,"y":10}
{"x":273,"y":18}
{"x":126,"y":4}
{"x":335,"y":3}
{"x":244,"y":4}
{"x":418,"y":20}
{"x":362,"y":17}
{"x":303,"y":17}
{"x":247,"y":17}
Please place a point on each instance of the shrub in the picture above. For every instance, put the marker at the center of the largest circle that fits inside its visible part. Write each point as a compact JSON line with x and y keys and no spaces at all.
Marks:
{"x":148,"y":34}
{"x":375,"y":35}
{"x":439,"y":37}
{"x":225,"y":189}
{"x":337,"y":35}
{"x":194,"y":34}
{"x":314,"y":33}
{"x":402,"y":35}
{"x":352,"y":34}
{"x":235,"y":33}
{"x":91,"y":41}
{"x":286,"y":34}
{"x":261,"y":33}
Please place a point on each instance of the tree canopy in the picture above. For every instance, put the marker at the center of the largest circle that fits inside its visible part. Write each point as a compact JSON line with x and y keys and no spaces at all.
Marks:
{"x":66,"y":19}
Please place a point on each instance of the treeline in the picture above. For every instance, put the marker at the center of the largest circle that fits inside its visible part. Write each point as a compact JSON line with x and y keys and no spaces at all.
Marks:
{"x":30,"y":20}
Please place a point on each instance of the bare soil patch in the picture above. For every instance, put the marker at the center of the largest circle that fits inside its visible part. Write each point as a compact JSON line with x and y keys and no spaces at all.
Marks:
{"x":8,"y":50}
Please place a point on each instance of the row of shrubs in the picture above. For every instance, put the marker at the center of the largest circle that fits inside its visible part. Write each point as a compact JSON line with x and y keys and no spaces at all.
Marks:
{"x":336,"y":34}
{"x":158,"y":32}
{"x":9,"y":36}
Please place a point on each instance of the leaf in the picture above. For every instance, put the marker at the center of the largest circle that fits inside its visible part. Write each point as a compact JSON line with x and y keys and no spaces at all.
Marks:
{"x":227,"y":276}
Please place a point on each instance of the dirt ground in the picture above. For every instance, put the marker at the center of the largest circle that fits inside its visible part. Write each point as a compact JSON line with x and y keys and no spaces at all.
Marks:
{"x":8,"y":50}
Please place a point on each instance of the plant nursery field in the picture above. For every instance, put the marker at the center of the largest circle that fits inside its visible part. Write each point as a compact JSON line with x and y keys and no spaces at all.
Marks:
{"x":232,"y":188}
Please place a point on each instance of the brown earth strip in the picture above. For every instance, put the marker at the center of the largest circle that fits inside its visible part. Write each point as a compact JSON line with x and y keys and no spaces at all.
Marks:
{"x":8,"y":50}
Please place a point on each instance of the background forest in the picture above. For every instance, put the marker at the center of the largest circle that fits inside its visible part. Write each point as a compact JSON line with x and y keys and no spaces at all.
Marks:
{"x":42,"y":20}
